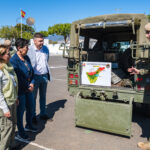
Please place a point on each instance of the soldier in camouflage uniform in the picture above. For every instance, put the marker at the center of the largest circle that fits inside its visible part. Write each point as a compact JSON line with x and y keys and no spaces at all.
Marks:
{"x":142,"y":145}
{"x":142,"y":71}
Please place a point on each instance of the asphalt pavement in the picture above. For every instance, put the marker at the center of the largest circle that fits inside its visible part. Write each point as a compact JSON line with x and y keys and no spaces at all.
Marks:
{"x":61,"y":133}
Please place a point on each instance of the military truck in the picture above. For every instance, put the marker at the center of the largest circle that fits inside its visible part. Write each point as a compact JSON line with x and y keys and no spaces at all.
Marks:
{"x":102,"y":48}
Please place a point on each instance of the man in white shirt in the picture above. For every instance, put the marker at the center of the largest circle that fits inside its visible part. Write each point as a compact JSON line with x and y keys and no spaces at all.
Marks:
{"x":39,"y":56}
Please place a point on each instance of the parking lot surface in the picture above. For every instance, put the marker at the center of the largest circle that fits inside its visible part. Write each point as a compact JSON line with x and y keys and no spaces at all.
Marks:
{"x":61,"y":133}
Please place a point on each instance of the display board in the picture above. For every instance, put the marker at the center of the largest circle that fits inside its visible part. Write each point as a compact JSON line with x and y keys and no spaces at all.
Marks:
{"x":96,"y":73}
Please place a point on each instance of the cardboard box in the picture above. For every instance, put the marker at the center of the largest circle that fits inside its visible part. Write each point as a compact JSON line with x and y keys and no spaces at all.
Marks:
{"x":110,"y":57}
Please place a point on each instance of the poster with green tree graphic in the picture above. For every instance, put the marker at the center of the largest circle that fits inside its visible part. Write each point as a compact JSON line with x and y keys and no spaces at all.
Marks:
{"x":96,"y":73}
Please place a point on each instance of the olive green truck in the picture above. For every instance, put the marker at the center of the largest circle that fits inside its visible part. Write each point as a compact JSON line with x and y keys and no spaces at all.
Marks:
{"x":101,"y":50}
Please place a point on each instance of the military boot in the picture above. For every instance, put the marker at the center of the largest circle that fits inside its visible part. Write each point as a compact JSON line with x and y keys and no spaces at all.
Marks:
{"x":144,"y":145}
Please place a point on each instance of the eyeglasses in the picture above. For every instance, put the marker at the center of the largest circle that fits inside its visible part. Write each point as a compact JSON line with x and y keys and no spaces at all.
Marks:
{"x":147,"y":32}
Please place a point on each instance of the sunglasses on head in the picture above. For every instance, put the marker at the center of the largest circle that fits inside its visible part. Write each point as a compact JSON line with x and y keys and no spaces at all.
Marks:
{"x":147,"y":32}
{"x":4,"y":53}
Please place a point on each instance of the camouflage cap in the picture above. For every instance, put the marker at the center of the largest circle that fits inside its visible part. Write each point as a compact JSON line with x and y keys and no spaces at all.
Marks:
{"x":147,"y":27}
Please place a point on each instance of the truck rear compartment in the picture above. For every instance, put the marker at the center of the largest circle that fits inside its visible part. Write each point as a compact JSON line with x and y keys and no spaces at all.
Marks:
{"x":107,"y":40}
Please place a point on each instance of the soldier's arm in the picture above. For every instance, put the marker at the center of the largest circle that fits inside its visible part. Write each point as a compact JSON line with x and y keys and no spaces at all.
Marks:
{"x":144,"y":71}
{"x":138,"y":71}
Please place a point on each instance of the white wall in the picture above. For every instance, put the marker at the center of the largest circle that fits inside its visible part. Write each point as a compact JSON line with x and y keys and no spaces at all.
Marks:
{"x":54,"y":49}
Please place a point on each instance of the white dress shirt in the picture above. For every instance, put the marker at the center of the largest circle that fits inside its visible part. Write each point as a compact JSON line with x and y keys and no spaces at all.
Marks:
{"x":41,"y":62}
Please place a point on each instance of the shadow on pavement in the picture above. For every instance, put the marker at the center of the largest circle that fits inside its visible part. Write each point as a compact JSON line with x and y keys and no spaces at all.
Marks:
{"x":54,"y":106}
{"x":51,"y":108}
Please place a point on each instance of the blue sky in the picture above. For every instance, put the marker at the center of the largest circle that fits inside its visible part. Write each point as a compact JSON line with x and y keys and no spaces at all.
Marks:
{"x":49,"y":12}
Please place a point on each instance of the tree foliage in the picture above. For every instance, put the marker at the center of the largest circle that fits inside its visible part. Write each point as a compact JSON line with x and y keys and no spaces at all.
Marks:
{"x":149,"y":17}
{"x":27,"y":35}
{"x":60,"y":29}
{"x":25,"y":28}
{"x":27,"y":31}
{"x":9,"y":32}
{"x":44,"y":33}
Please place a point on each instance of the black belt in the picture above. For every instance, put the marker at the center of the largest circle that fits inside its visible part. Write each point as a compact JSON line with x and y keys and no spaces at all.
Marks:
{"x":41,"y":74}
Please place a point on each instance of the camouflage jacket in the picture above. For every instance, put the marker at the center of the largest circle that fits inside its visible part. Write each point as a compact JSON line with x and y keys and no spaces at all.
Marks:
{"x":144,"y":71}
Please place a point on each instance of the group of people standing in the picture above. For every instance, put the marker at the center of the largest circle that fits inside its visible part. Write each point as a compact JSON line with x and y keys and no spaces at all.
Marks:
{"x":21,"y":76}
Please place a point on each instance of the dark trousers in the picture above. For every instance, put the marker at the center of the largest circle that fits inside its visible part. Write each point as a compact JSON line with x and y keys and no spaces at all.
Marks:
{"x":26,"y":102}
{"x":41,"y":84}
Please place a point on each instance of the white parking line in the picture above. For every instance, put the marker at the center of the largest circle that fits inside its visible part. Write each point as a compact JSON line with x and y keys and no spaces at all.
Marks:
{"x":34,"y":144}
{"x":59,"y":79}
{"x":53,"y":67}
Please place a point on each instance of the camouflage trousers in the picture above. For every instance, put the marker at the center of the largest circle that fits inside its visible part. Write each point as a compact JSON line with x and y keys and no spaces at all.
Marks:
{"x":7,"y":129}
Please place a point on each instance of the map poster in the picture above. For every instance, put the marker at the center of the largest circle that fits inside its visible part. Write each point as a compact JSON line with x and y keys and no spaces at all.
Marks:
{"x":96,"y":73}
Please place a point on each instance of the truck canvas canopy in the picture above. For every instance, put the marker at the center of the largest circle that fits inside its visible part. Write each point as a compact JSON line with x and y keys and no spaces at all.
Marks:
{"x":113,"y":20}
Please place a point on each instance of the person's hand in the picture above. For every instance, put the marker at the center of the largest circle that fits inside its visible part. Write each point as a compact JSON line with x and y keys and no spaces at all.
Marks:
{"x":31,"y":87}
{"x":7,"y":114}
{"x":130,"y":69}
{"x":133,"y":70}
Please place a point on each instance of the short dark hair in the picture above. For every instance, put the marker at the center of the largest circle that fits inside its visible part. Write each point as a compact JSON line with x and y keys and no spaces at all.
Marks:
{"x":20,"y":42}
{"x":38,"y":35}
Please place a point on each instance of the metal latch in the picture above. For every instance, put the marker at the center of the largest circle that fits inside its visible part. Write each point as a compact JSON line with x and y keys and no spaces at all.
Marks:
{"x":103,"y":96}
{"x":115,"y":95}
